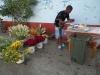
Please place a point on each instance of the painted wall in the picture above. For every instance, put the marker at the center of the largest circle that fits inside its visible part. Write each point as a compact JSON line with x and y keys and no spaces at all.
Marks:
{"x":84,"y":11}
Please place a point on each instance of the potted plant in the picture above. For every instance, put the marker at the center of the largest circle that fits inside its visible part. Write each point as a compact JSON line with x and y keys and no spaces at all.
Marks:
{"x":22,"y":55}
{"x":31,"y":45}
{"x":20,"y":31}
{"x":13,"y":53}
{"x":46,"y":38}
{"x":17,"y":45}
{"x":39,"y":40}
{"x":19,"y":10}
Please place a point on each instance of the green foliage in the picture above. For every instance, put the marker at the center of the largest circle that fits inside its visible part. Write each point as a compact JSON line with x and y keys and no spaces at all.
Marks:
{"x":4,"y":42}
{"x":20,"y":10}
{"x":39,"y":30}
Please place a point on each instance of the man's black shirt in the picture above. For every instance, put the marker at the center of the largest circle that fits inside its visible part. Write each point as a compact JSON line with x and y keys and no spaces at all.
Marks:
{"x":61,"y":15}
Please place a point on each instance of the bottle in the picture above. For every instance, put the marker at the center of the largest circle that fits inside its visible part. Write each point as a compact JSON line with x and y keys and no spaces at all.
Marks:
{"x":85,"y":25}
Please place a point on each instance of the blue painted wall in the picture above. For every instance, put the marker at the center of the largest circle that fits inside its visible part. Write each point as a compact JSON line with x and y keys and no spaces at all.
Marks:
{"x":83,"y":11}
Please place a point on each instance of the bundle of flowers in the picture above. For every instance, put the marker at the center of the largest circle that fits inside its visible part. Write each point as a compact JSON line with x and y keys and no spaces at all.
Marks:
{"x":30,"y":42}
{"x":39,"y":38}
{"x":45,"y":35}
{"x":19,"y":30}
{"x":33,"y":32}
{"x":10,"y":54}
{"x":16,"y":45}
{"x":40,"y":30}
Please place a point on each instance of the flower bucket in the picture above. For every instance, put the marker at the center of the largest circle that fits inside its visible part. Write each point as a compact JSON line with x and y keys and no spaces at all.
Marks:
{"x":20,"y":37}
{"x":39,"y":45}
{"x":32,"y":50}
{"x":45,"y":41}
{"x":21,"y":60}
{"x":22,"y":41}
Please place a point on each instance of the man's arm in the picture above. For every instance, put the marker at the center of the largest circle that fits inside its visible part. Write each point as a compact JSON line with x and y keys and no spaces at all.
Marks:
{"x":70,"y":20}
{"x":62,"y":22}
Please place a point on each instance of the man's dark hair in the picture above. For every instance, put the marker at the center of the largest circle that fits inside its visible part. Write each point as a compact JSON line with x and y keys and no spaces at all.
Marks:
{"x":69,"y":7}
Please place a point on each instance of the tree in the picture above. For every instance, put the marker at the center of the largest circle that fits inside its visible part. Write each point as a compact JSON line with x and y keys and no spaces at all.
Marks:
{"x":20,"y":10}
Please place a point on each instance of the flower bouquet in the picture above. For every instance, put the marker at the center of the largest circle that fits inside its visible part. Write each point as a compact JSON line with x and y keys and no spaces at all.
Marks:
{"x":10,"y":55}
{"x":20,"y":31}
{"x":16,"y":45}
{"x":33,"y":32}
{"x":40,"y":40}
{"x":13,"y":53}
{"x":31,"y":43}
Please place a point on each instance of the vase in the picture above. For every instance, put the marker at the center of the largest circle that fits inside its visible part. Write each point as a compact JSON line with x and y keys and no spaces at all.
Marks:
{"x":20,"y":37}
{"x":32,"y":50}
{"x":23,"y":40}
{"x":21,"y":60}
{"x":45,"y":41}
{"x":39,"y":45}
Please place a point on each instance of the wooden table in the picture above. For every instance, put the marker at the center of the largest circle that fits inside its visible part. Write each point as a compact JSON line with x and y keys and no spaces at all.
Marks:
{"x":93,"y":31}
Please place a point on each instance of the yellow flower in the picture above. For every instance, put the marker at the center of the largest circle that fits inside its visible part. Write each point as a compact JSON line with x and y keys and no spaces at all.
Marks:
{"x":16,"y":53}
{"x":27,"y":51}
{"x":2,"y":50}
{"x":6,"y":54}
{"x":16,"y":45}
{"x":19,"y":54}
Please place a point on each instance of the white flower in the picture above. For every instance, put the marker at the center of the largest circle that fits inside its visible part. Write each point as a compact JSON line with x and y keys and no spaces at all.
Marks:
{"x":19,"y":30}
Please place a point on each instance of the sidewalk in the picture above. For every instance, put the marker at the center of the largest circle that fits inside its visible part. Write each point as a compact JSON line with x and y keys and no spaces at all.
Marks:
{"x":51,"y":61}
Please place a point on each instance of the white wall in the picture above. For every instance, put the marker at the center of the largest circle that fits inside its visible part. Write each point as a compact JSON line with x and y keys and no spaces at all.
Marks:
{"x":83,"y":11}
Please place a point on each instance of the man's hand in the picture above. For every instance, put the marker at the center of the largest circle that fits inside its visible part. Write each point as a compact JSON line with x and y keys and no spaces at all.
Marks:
{"x":71,"y":20}
{"x":61,"y":26}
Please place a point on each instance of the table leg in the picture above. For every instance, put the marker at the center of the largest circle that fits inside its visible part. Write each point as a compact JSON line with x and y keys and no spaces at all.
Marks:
{"x":69,"y":45}
{"x":93,"y":49}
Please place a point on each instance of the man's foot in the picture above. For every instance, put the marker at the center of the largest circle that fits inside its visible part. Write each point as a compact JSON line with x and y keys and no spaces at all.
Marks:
{"x":60,"y":47}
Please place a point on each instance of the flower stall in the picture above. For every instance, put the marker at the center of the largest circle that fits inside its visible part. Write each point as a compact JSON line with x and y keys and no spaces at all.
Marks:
{"x":24,"y":43}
